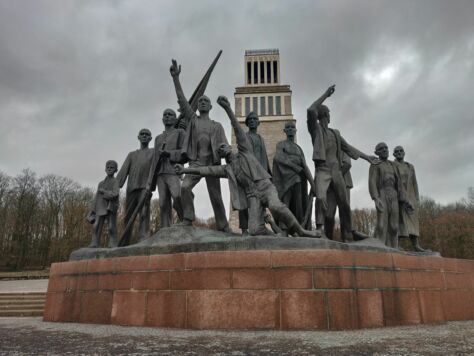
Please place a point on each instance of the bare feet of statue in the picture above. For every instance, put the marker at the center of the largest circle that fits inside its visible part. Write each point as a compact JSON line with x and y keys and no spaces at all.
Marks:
{"x":313,"y":233}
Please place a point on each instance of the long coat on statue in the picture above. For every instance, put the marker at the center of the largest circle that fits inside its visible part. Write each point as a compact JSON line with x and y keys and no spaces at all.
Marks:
{"x":289,"y":177}
{"x":409,"y":223}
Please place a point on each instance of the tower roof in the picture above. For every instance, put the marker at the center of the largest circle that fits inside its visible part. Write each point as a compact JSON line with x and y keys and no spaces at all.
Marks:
{"x":259,"y":52}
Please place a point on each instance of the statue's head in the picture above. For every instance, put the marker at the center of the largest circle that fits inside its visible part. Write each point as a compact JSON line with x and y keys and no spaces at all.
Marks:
{"x":399,"y":153}
{"x":323,"y":113}
{"x":381,"y":150}
{"x":290,"y":129}
{"x":169,"y":117}
{"x":111,"y":167}
{"x":144,"y":136}
{"x":204,"y":104}
{"x":252,"y":121}
{"x":224,"y":150}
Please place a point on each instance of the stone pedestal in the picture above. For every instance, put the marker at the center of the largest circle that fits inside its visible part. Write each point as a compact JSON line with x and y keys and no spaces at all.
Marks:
{"x":320,"y":289}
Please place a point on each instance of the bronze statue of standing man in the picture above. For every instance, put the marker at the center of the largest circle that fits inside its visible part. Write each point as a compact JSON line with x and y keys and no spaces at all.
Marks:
{"x":260,"y":152}
{"x":167,"y":153}
{"x":409,"y":225}
{"x":200,"y":148}
{"x":135,"y":169}
{"x":291,"y":174}
{"x":328,"y":148}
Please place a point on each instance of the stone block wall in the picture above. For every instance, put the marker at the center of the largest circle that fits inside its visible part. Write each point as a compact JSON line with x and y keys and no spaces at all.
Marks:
{"x":274,"y":290}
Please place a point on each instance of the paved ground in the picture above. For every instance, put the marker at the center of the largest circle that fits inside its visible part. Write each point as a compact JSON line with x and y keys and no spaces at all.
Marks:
{"x":31,"y":336}
{"x":23,"y":286}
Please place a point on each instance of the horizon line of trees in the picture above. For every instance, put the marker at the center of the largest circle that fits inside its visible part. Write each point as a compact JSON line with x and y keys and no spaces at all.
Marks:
{"x":42,"y":220}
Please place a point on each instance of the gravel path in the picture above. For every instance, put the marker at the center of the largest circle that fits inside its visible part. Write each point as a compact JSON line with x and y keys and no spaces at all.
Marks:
{"x":32,"y":336}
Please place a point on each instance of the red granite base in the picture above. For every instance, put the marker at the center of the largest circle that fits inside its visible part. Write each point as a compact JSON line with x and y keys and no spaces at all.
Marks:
{"x":268,"y":290}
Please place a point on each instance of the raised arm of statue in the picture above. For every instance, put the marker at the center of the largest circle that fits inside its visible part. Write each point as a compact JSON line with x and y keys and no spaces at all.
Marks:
{"x":314,"y":106}
{"x":241,"y":138}
{"x":184,"y":106}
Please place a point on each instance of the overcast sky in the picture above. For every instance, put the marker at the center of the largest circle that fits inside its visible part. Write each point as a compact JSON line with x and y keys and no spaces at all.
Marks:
{"x":78,"y":79}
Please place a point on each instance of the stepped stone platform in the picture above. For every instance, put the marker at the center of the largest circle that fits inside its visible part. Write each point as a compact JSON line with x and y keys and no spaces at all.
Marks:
{"x":22,"y":304}
{"x":201,"y":279}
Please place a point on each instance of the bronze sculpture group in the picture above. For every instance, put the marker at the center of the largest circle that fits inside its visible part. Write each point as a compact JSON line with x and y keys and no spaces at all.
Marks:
{"x":201,"y":143}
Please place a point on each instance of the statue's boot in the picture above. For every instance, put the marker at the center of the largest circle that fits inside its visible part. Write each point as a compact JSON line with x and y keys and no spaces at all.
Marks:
{"x":94,"y":242}
{"x":227,"y":230}
{"x":113,"y":242}
{"x":416,"y":245}
{"x":359,"y":236}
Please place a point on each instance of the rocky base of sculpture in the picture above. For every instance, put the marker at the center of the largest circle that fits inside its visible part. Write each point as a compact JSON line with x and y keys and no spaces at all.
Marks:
{"x":273,"y":289}
{"x":191,"y":239}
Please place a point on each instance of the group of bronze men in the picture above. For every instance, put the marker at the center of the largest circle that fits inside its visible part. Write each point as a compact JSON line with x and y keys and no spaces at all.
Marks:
{"x":254,"y":185}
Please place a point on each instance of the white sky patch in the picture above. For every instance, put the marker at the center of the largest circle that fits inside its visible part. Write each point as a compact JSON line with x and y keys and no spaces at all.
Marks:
{"x":389,"y":68}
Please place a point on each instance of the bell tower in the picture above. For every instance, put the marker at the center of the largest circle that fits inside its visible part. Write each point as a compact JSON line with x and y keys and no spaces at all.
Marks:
{"x":264,"y":94}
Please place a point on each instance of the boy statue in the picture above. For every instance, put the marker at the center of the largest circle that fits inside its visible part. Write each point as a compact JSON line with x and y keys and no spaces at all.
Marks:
{"x":105,"y":206}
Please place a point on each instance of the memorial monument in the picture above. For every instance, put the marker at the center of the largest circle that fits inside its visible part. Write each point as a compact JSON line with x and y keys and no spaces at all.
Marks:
{"x":189,"y":277}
